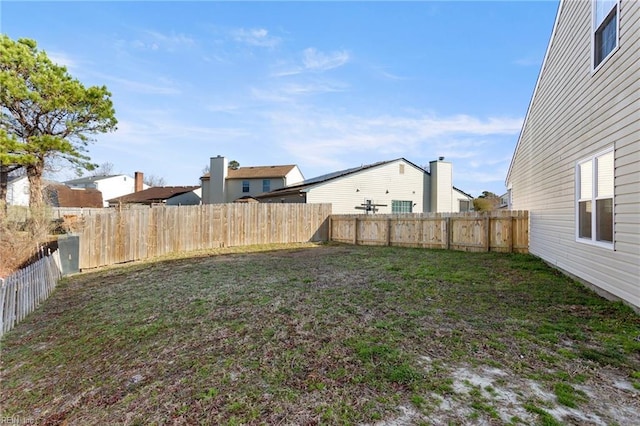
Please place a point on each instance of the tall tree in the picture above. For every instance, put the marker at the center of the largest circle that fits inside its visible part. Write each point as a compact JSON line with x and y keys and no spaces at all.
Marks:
{"x":153,"y":180}
{"x":46,"y":113}
{"x":104,"y":169}
{"x":486,"y":202}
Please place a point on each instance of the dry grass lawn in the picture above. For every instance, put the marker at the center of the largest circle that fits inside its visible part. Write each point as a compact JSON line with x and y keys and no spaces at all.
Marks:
{"x":325,"y":335}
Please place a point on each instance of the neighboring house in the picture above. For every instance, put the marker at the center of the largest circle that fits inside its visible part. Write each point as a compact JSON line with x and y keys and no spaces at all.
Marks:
{"x":111,"y":186}
{"x":225,"y":185}
{"x":161,"y":195}
{"x":576,"y":166}
{"x":504,"y":201}
{"x":18,"y":191}
{"x":396,"y":186}
{"x":59,"y":195}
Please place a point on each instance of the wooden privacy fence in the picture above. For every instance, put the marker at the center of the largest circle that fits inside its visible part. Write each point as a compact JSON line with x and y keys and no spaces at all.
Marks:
{"x":119,"y":236}
{"x":502,"y":230}
{"x":23,"y":291}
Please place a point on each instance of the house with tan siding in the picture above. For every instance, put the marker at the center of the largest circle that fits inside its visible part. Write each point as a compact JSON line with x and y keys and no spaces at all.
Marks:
{"x":395,"y":186}
{"x":576,"y":166}
{"x":226,"y":185}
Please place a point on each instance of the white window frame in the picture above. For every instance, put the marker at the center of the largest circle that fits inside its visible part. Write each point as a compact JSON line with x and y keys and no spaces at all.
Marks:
{"x":594,"y":188}
{"x":594,"y":28}
{"x":266,"y":185}
{"x":246,"y":188}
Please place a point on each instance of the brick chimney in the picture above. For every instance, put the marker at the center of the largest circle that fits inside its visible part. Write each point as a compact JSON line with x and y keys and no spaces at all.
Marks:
{"x":139,"y":177}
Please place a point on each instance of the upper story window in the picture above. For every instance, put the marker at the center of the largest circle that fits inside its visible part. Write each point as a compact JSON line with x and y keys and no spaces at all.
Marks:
{"x":594,"y":213}
{"x":245,"y":186}
{"x":605,"y":29}
{"x":465,"y":205}
{"x":266,"y":185}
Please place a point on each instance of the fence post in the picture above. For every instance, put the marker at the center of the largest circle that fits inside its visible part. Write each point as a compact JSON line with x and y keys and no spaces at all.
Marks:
{"x":330,"y":230}
{"x":511,"y":226}
{"x":2,"y":309}
{"x":388,"y":231}
{"x":487,"y":224}
{"x":449,"y":233}
{"x":355,"y":231}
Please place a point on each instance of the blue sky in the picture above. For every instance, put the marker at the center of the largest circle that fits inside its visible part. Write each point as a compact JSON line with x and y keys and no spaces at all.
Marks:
{"x":324,"y":85}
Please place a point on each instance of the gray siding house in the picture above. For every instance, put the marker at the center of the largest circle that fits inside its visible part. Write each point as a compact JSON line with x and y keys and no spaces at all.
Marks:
{"x":576,"y":166}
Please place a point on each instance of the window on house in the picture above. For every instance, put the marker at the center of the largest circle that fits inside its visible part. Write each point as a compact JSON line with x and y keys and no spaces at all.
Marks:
{"x":465,"y":205}
{"x":595,"y":198}
{"x":245,"y":186}
{"x":401,"y":169}
{"x":266,"y":185}
{"x":398,"y":206}
{"x":605,"y":29}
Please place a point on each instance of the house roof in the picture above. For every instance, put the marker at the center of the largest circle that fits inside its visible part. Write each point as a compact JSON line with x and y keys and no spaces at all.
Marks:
{"x":299,"y":187}
{"x":152,"y":195}
{"x":258,"y":172}
{"x":13,"y":179}
{"x":60,"y":195}
{"x":340,"y":173}
{"x":91,"y":179}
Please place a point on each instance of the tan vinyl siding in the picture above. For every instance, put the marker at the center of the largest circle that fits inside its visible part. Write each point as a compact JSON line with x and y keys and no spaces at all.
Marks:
{"x":352,"y":190}
{"x":234,"y":187}
{"x":576,"y":113}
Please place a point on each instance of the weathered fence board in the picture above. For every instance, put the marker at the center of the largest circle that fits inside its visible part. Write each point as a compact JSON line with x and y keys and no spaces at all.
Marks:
{"x":23,"y":291}
{"x":503,"y":230}
{"x":118,"y":236}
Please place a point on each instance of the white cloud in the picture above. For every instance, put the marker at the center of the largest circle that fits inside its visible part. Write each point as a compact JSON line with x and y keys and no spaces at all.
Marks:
{"x":255,"y":37}
{"x":288,"y":93}
{"x":321,"y":139}
{"x":154,"y":40}
{"x":527,"y":61}
{"x":314,"y":60}
{"x":63,"y":59}
{"x":165,"y":87}
{"x":388,"y":75}
{"x":159,"y":128}
{"x":224,"y":108}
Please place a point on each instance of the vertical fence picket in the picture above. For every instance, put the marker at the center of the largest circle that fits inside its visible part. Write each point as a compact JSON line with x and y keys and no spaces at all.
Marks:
{"x":498,"y":231}
{"x":23,"y":291}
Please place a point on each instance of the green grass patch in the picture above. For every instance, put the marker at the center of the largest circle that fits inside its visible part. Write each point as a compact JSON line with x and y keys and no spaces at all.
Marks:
{"x":545,"y":419}
{"x":569,"y":396}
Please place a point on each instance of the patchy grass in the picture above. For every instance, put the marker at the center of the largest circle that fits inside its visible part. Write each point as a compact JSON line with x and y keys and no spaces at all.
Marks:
{"x":331,"y":334}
